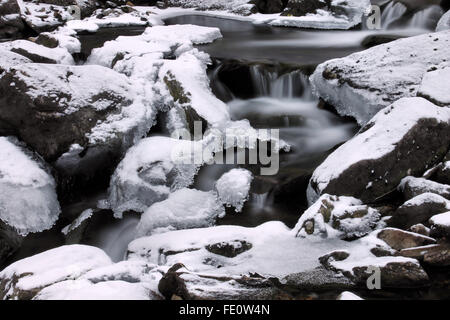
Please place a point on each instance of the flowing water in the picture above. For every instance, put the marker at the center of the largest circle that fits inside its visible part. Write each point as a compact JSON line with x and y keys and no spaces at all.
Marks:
{"x":261,"y":72}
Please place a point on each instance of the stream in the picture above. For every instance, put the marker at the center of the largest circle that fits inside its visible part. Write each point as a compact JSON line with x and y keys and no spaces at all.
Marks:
{"x":261,"y":72}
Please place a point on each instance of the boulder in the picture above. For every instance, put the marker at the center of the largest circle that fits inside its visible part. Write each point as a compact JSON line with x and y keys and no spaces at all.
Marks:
{"x":412,"y":187}
{"x":183,"y":209}
{"x":435,"y":87}
{"x":270,"y":6}
{"x":402,"y":140}
{"x":38,"y":53}
{"x":149,"y":172}
{"x":11,"y":24}
{"x":419,"y":210}
{"x":398,"y":239}
{"x":439,"y":257}
{"x":440,"y":173}
{"x":363,"y":83}
{"x":440,"y":225}
{"x":444,"y":22}
{"x":25,"y":278}
{"x":81,"y":117}
{"x":342,"y":217}
{"x":27,"y":193}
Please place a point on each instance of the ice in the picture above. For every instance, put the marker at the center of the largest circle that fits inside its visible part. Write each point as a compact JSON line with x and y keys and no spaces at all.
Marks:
{"x":274,"y":251}
{"x":184,"y":209}
{"x":149,"y":171}
{"x":233,"y":188}
{"x":27,"y":191}
{"x":58,"y":55}
{"x":86,"y":214}
{"x":363,"y":83}
{"x":52,"y":266}
{"x":436,"y":87}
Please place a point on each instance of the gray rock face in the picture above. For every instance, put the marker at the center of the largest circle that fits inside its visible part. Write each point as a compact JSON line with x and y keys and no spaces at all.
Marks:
{"x":363,"y":83}
{"x":402,"y":140}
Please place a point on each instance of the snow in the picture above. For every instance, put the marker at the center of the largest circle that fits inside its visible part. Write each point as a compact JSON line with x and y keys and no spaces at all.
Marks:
{"x":386,"y":129}
{"x":441,"y":220}
{"x":444,"y":22}
{"x":363,"y":83}
{"x":346,"y":295}
{"x":182,"y":33}
{"x":183,"y":209}
{"x":436,"y":87}
{"x":44,"y":16}
{"x":10,"y":59}
{"x":426,"y":198}
{"x":274,"y":252}
{"x":66,"y":39}
{"x":59,"y":55}
{"x":28,"y":200}
{"x":85,"y":290}
{"x":82,"y":25}
{"x":86,"y":214}
{"x":233,"y":188}
{"x":338,"y":217}
{"x":149,"y":171}
{"x":52,"y":266}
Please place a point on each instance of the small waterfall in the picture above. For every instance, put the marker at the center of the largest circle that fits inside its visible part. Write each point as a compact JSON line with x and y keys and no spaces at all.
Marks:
{"x":391,"y":13}
{"x":272,"y":84}
{"x":258,"y":201}
{"x":426,"y":18}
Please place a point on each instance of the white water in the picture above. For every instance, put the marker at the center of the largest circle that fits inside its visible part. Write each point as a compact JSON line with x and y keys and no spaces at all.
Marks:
{"x":392,"y":12}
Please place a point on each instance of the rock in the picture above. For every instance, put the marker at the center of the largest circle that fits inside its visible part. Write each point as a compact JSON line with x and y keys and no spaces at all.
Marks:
{"x":398,"y":239}
{"x":62,"y":37}
{"x":27,"y":192}
{"x":440,"y":225}
{"x":25,"y":278}
{"x":444,"y":22}
{"x":377,"y":39}
{"x":183,"y":209}
{"x":229,"y":249}
{"x":342,"y":217}
{"x":402,"y":140}
{"x":233,"y":188}
{"x":418,"y":252}
{"x":11,"y":59}
{"x":38,"y":53}
{"x":300,"y":8}
{"x":270,"y":6}
{"x":10,"y":241}
{"x":42,"y":17}
{"x":440,"y":173}
{"x":412,"y":187}
{"x":419,"y":210}
{"x":439,"y":258}
{"x":178,"y":283}
{"x":435,"y":87}
{"x":420,"y":229}
{"x":149,"y":172}
{"x":82,"y":117}
{"x":11,"y":24}
{"x":363,"y":83}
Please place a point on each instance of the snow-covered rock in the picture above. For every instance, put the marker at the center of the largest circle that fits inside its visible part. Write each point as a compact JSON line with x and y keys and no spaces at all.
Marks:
{"x":412,"y":187}
{"x":38,"y":53}
{"x":183,"y":209}
{"x":233,"y":188}
{"x":436,"y":87}
{"x":25,"y":278}
{"x":11,"y":59}
{"x":403,"y":139}
{"x":269,"y":250}
{"x":444,"y":22}
{"x":440,"y":173}
{"x":242,"y":7}
{"x":399,"y":239}
{"x":363,"y":83}
{"x":359,"y":263}
{"x":440,"y":224}
{"x":43,"y":17}
{"x":62,"y":37}
{"x":346,"y":295}
{"x":341,"y":217}
{"x":150,"y":171}
{"x":27,"y":191}
{"x":419,"y":209}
